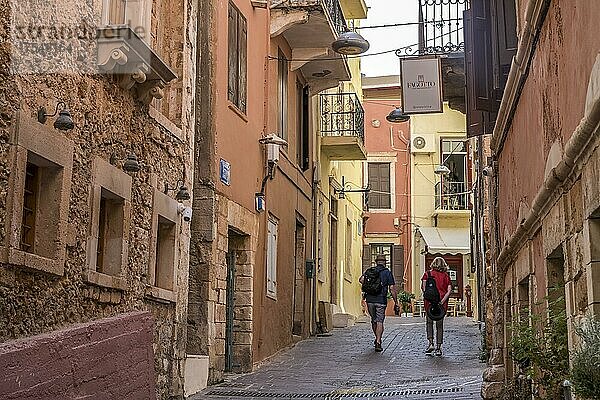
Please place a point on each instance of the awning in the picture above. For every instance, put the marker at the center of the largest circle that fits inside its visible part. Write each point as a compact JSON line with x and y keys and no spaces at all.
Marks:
{"x":447,"y":240}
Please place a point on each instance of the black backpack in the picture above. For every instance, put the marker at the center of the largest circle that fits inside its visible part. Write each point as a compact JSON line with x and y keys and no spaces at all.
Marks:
{"x":431,"y":293}
{"x":372,"y":282}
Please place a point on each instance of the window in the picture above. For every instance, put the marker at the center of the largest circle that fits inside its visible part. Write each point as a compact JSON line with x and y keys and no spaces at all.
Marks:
{"x":165,"y":254}
{"x":237,"y":43}
{"x":110,"y":233}
{"x":272,"y":258}
{"x":37,"y":198}
{"x":379,"y":182}
{"x":386,"y":250}
{"x":116,"y":12}
{"x":135,"y":13}
{"x":109,"y":230}
{"x":454,"y":194}
{"x":168,"y":36}
{"x":38,"y":228}
{"x":282,"y":96}
{"x":162,"y":262}
{"x":394,"y":257}
{"x":30,"y":199}
{"x":302,"y":142}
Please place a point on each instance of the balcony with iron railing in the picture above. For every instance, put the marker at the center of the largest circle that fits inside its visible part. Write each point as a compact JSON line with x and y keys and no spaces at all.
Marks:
{"x":310,"y":27}
{"x":451,"y":196}
{"x":441,"y":26}
{"x":342,"y":126}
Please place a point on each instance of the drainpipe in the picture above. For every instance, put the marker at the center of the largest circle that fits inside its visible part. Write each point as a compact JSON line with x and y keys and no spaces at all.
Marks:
{"x":315,"y":210}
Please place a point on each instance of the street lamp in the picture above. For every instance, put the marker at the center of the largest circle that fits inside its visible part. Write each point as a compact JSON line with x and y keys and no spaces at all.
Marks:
{"x":397,"y":116}
{"x":350,"y":43}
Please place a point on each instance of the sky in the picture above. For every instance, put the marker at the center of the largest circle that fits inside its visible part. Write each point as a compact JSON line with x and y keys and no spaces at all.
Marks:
{"x":383,"y":12}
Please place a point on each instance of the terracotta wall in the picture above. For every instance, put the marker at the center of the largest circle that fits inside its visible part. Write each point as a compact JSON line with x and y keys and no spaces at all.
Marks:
{"x":551,"y":104}
{"x":381,"y":140}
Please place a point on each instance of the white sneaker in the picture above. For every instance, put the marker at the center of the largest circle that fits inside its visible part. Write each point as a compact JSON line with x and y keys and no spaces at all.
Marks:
{"x":429,"y":349}
{"x":438,"y":351}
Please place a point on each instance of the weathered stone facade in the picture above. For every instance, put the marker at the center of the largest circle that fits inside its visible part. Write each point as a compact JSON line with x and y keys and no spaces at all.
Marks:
{"x":110,"y":122}
{"x":545,"y":193}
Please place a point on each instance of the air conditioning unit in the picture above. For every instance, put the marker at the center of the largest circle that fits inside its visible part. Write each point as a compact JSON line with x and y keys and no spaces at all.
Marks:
{"x":422,"y":143}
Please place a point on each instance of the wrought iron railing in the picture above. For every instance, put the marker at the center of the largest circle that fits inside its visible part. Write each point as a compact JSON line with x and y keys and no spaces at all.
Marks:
{"x":336,"y":16}
{"x":441,"y":29}
{"x":342,"y":115}
{"x":451,"y":196}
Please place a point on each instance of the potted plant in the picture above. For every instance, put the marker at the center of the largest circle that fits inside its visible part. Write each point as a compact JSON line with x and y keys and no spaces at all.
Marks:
{"x":405,"y":298}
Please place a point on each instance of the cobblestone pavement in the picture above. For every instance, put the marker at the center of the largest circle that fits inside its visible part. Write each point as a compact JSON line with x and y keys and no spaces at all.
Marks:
{"x":345,"y":366}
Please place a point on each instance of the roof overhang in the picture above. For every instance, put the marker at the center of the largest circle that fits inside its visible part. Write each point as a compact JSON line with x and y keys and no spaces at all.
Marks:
{"x":447,"y":240}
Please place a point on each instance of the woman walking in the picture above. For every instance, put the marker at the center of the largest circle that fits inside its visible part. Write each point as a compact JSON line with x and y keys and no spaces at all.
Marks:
{"x":439,"y":272}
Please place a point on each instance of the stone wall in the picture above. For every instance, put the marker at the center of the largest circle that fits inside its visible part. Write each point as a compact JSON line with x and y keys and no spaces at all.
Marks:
{"x":109,"y":123}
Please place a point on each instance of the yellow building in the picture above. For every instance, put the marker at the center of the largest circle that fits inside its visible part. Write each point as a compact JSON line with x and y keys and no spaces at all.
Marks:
{"x":441,"y":200}
{"x":340,"y":152}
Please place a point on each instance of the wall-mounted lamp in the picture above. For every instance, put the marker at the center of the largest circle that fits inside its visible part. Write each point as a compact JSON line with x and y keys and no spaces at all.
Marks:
{"x":321,"y":74}
{"x":131,"y":163}
{"x":397,"y":116}
{"x":350,"y":43}
{"x":182,"y":192}
{"x":64,"y":122}
{"x":488,"y":171}
{"x":441,"y":170}
{"x":273,"y":143}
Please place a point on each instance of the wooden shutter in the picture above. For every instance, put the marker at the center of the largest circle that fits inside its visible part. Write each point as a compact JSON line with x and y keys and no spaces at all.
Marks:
{"x":398,"y":264}
{"x":506,"y":42}
{"x":366,"y":257}
{"x":305,"y":129}
{"x":384,"y":184}
{"x":480,"y":47}
{"x":478,"y":122}
{"x":242,"y":61}
{"x":374,"y":195}
{"x":232,"y":38}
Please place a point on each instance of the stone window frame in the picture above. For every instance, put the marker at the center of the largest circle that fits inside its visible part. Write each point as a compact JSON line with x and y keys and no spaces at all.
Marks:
{"x":166,"y":207}
{"x":29,"y":136}
{"x":107,"y":176}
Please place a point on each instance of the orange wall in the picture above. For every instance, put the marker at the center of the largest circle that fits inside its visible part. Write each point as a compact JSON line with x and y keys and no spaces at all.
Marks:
{"x":237,"y":135}
{"x":288,"y":195}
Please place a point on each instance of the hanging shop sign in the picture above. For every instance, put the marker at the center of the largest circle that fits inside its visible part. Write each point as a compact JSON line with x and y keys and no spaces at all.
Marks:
{"x":421,"y":85}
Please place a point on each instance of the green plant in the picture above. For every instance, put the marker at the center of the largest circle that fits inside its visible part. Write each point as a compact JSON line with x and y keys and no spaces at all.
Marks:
{"x":539,"y":346}
{"x":405,"y":299}
{"x":585,"y":374}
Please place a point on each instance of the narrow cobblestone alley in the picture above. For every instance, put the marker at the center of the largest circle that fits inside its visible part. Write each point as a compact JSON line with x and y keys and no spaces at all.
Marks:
{"x":344,"y":366}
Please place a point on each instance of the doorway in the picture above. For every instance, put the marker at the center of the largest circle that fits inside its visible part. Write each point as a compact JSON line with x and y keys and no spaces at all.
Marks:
{"x":238,"y":300}
{"x":230,"y":302}
{"x":333,"y":256}
{"x":299,"y":260}
{"x":455,"y":270}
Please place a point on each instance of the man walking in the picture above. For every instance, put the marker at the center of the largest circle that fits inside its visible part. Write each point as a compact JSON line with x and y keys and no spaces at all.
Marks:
{"x":376,"y":282}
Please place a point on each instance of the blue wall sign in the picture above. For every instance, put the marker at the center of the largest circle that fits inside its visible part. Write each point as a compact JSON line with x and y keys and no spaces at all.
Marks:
{"x":225,"y":172}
